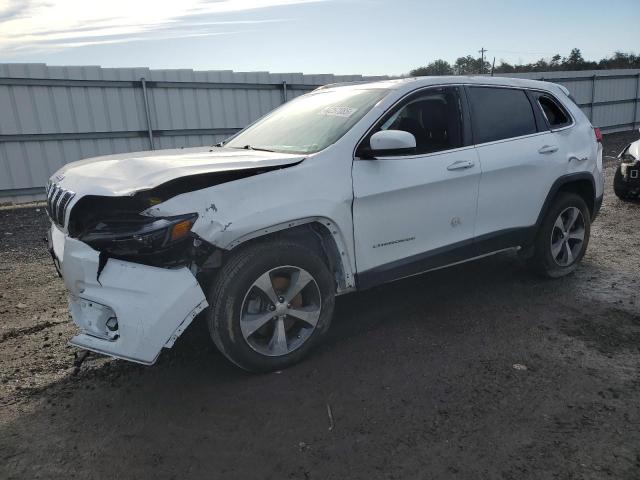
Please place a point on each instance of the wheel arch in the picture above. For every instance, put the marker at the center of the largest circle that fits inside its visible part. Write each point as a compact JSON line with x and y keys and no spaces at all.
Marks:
{"x":318,"y":233}
{"x":581,"y":183}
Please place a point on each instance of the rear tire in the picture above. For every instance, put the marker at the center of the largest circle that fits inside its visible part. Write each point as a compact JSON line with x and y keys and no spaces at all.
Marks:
{"x":254,"y":305}
{"x":563,"y":237}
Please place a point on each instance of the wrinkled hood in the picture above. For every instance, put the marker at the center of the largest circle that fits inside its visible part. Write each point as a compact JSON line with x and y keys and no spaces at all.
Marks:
{"x":634,"y":149}
{"x":125,"y":173}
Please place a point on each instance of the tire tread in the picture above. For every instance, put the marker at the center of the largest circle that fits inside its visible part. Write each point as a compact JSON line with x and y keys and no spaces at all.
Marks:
{"x":222,"y":297}
{"x":540,"y":262}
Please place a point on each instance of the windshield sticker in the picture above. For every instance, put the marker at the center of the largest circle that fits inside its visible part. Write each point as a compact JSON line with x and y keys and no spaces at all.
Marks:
{"x":344,"y":112}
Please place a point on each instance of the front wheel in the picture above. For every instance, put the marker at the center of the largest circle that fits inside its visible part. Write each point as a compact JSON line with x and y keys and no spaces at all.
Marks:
{"x":563,"y":236}
{"x":270,"y":303}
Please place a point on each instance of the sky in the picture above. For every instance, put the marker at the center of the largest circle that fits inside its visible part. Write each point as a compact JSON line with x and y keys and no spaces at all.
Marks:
{"x":371,"y":37}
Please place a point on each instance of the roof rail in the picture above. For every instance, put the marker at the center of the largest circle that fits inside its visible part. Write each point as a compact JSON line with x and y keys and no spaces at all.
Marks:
{"x":344,"y":84}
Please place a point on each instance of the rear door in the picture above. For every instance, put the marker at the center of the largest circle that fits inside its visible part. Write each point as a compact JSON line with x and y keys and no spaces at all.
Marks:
{"x":576,"y":142}
{"x":520,"y":159}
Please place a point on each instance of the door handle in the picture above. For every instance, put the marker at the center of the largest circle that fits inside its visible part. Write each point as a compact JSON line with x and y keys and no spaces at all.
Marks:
{"x":548,"y":149}
{"x":461,"y":164}
{"x":583,"y":159}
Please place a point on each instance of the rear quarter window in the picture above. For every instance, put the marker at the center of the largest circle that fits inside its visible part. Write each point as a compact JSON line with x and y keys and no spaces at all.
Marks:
{"x":500,"y":113}
{"x":554,"y":112}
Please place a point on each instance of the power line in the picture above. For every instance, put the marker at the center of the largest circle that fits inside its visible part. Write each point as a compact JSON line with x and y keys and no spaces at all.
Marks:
{"x":525,"y":53}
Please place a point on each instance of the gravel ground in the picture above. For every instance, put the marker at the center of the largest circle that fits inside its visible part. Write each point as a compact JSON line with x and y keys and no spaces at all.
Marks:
{"x":421,"y":377}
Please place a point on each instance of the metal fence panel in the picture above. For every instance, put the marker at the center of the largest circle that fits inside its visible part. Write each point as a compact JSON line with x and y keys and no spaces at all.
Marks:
{"x":51,"y":115}
{"x":610,"y":98}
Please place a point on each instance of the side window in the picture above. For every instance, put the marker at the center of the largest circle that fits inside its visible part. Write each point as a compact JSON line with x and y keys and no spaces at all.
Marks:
{"x":499,"y":113}
{"x":556,"y":115}
{"x":434,"y":118}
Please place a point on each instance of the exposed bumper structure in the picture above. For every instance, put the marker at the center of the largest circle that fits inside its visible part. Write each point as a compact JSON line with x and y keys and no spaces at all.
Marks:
{"x":133,"y":310}
{"x":631,"y":172}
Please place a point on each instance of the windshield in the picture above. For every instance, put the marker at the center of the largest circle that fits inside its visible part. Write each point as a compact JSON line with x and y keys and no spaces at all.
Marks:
{"x":309,"y":123}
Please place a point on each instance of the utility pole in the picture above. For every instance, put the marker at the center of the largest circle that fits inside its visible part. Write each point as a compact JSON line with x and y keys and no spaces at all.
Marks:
{"x":482,"y":52}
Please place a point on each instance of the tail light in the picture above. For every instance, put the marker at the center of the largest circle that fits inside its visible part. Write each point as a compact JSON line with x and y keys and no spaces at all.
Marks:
{"x":598,"y":134}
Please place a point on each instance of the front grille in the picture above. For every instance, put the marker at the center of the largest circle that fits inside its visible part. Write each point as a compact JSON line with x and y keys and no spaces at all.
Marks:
{"x":57,"y":202}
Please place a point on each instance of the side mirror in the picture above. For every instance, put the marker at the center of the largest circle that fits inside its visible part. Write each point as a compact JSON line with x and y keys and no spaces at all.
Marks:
{"x":392,"y":142}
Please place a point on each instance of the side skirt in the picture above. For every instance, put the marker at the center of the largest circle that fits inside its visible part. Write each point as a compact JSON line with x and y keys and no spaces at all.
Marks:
{"x":460,"y":252}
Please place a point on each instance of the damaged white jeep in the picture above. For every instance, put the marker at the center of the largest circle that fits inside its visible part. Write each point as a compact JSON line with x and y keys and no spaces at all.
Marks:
{"x":344,"y":188}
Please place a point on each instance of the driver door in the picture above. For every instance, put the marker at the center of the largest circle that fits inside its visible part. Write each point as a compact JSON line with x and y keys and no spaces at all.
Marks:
{"x":414,"y":212}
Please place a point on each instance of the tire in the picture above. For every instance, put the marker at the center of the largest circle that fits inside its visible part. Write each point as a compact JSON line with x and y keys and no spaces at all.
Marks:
{"x":620,"y":188}
{"x":238,"y":305}
{"x":549,"y":260}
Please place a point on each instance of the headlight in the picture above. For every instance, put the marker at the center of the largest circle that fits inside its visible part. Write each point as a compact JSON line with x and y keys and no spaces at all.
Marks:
{"x":139,"y":235}
{"x":627,"y":158}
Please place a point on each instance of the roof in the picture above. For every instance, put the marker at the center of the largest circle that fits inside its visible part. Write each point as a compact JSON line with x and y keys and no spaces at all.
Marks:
{"x":410,"y":83}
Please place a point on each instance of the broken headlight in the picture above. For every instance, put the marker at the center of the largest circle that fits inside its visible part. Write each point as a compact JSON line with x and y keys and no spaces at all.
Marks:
{"x":139,"y":235}
{"x":625,"y":156}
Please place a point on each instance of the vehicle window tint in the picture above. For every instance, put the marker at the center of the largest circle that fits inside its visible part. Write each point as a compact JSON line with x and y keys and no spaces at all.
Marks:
{"x":499,"y":113}
{"x":555,"y":114}
{"x":434,"y":118}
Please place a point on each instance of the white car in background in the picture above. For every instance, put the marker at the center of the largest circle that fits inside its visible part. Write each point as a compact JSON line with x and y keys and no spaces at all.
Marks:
{"x":345,"y":188}
{"x":626,"y":180}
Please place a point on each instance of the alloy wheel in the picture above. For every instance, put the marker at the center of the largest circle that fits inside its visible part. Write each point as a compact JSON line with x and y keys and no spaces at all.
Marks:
{"x":567,"y":236}
{"x":280,"y":311}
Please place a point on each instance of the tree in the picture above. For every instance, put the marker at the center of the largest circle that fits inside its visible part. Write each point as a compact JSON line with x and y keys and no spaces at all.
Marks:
{"x":620,"y":60}
{"x":540,"y":66}
{"x":437,"y":67}
{"x":574,"y":61}
{"x":554,"y":64}
{"x":505,"y":67}
{"x":470,"y":66}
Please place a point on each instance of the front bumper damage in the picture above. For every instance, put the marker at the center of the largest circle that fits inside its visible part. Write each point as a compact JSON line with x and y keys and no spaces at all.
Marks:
{"x":129,"y":311}
{"x":631,"y":173}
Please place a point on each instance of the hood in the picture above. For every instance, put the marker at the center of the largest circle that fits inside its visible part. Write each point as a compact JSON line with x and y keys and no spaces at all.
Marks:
{"x":634,"y":149}
{"x":126,"y":173}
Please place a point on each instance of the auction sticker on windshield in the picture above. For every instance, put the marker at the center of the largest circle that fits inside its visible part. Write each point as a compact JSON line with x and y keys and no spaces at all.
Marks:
{"x":334,"y":111}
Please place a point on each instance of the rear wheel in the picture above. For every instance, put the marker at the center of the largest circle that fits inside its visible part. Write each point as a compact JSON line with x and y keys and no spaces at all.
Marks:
{"x":270,"y":304}
{"x":563,"y":236}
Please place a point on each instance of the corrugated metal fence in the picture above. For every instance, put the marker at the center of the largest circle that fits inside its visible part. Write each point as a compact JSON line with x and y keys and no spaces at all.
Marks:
{"x":610,"y":98}
{"x":53,"y":115}
{"x":50,"y":115}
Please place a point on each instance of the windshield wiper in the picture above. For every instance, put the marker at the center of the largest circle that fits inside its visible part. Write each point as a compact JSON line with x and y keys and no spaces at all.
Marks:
{"x":249,"y":147}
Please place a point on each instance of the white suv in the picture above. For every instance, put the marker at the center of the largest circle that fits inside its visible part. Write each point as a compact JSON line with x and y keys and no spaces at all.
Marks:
{"x":344,"y":188}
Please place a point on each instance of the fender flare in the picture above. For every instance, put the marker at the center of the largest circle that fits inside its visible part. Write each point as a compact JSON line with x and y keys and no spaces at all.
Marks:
{"x":558,"y":184}
{"x":341,"y":257}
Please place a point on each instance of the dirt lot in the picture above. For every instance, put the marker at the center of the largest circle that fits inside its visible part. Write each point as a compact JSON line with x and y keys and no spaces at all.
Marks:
{"x":419,"y":377}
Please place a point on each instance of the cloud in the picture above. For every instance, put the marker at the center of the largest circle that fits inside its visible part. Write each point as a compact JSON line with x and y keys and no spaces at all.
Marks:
{"x":31,"y":26}
{"x":11,"y":9}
